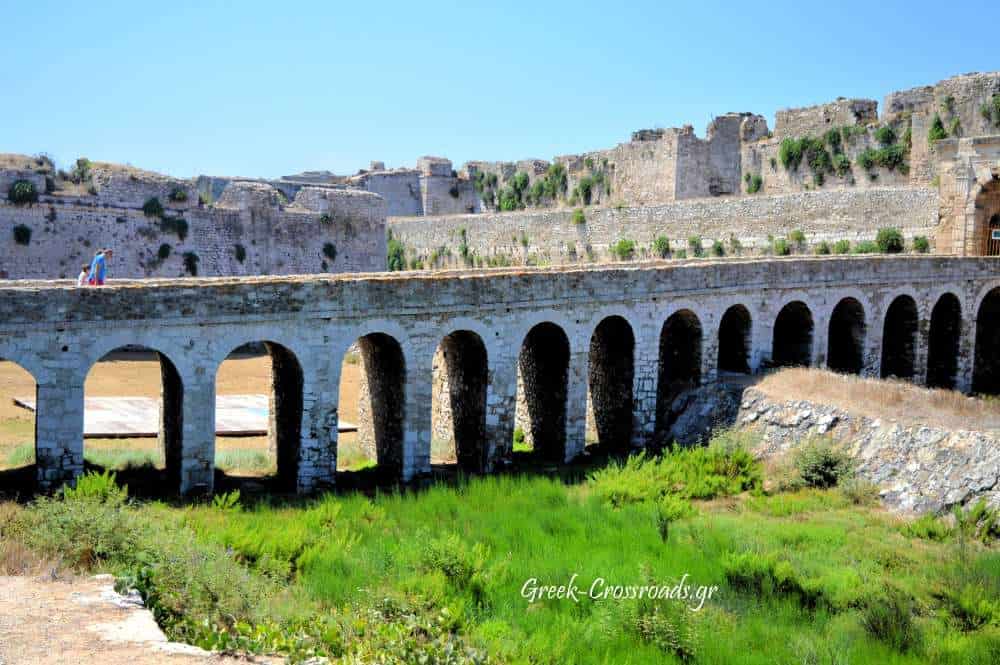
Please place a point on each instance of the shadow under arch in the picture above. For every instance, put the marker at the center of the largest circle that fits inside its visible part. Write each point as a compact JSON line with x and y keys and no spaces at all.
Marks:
{"x":846,"y":342}
{"x":458,"y":418}
{"x":734,"y":340}
{"x":943,"y":342}
{"x":679,"y":364}
{"x":792,"y":340}
{"x":382,"y":401}
{"x":899,"y":338}
{"x":611,"y":370}
{"x":542,"y":389}
{"x":986,"y":366}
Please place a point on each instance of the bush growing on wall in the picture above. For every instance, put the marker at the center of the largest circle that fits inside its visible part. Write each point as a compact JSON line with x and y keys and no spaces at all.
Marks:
{"x":579,"y":217}
{"x":178,"y":195}
{"x":798,"y":238}
{"x":991,"y":110}
{"x":790,"y":154}
{"x":885,"y":135}
{"x":82,"y":171}
{"x":866,"y":247}
{"x":823,"y":248}
{"x":695,"y":247}
{"x":22,"y":234}
{"x":240,"y":252}
{"x":841,"y":164}
{"x":842,"y":247}
{"x":718,"y":249}
{"x":330,"y":251}
{"x":623,"y":250}
{"x":661,"y":247}
{"x":395,"y":254}
{"x":754,"y":182}
{"x":921,"y":244}
{"x":889,"y":240}
{"x":780,"y":247}
{"x":936,"y":132}
{"x":152,"y":207}
{"x":176,"y":225}
{"x":164,"y":252}
{"x":22,"y":192}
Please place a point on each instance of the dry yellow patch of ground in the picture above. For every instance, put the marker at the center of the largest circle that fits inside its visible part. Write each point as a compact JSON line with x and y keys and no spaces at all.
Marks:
{"x":886,"y":399}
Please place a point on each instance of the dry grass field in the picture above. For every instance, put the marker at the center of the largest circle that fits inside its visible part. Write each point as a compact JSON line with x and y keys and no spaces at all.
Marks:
{"x":141,"y":378}
{"x":886,"y":399}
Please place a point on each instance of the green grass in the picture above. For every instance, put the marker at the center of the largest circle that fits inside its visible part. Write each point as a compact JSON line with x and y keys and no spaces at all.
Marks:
{"x":805,"y":576}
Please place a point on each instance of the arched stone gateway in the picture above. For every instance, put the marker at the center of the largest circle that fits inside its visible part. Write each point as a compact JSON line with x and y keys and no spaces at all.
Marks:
{"x":679,"y":366}
{"x":899,"y":337}
{"x":986,"y":370}
{"x":611,"y":373}
{"x":734,"y":340}
{"x":846,"y":350}
{"x":459,"y":403}
{"x":382,"y":401}
{"x":792,"y":344}
{"x":943,"y":343}
{"x":543,"y":374}
{"x":399,"y":321}
{"x":986,"y":232}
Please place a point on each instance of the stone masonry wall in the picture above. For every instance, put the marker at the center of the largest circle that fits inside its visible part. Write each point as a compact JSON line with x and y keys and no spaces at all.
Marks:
{"x":276,"y":238}
{"x":552,"y":236}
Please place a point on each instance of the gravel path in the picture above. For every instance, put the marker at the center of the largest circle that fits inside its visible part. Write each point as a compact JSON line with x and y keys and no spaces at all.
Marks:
{"x":83,"y":621}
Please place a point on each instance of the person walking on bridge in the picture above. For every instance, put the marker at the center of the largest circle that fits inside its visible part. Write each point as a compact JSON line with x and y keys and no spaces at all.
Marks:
{"x":99,"y":267}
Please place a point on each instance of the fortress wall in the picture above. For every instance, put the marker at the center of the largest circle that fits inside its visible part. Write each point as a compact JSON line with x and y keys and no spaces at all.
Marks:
{"x":277,"y":240}
{"x":757,"y":160}
{"x":400,"y":189}
{"x":551,"y":234}
{"x":815,"y":120}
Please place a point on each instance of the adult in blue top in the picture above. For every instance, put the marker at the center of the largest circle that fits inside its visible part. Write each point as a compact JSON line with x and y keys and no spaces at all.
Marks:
{"x":99,"y":267}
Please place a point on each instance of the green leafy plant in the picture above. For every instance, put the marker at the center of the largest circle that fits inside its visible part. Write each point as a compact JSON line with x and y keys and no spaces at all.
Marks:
{"x":822,"y":248}
{"x":790,"y":154}
{"x":695,"y":247}
{"x":841,"y":164}
{"x":885,"y":135}
{"x":718,"y":249}
{"x":889,"y":240}
{"x":921,"y":244}
{"x":578,"y":217}
{"x":163,"y":253}
{"x":152,"y":207}
{"x":937,"y":131}
{"x":326,"y":218}
{"x":395,"y":254}
{"x":821,"y":465}
{"x":753,"y":182}
{"x":22,"y":192}
{"x":866,"y":247}
{"x":22,"y":234}
{"x":780,"y":247}
{"x":176,"y":225}
{"x":661,"y":247}
{"x":330,"y":251}
{"x":227,"y":501}
{"x":798,"y":238}
{"x":842,"y":246}
{"x":623,"y":250}
{"x":990,"y":110}
{"x":178,"y":195}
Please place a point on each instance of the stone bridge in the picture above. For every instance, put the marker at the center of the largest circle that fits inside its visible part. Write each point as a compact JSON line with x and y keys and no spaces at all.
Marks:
{"x":540,"y":347}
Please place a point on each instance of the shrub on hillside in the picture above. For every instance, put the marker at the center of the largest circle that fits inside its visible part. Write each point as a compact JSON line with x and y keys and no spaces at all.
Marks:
{"x":22,"y":192}
{"x":887,"y":615}
{"x":821,"y":465}
{"x":889,"y":240}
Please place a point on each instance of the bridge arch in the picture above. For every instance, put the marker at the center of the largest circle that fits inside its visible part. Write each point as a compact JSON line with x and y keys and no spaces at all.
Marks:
{"x":20,"y":464}
{"x":679,"y":362}
{"x":542,"y":389}
{"x":899,"y":338}
{"x":986,"y":367}
{"x":285,"y":390}
{"x":611,"y":372}
{"x":792,"y":340}
{"x":170,"y":427}
{"x":943,"y":342}
{"x":458,"y":418}
{"x":735,"y":340}
{"x":847,"y":332}
{"x":381,"y":403}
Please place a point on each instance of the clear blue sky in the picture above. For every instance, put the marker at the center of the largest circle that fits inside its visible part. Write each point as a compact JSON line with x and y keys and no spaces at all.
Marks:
{"x":271,"y":88}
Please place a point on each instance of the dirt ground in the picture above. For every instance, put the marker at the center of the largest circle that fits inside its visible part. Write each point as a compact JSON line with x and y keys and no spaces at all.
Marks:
{"x":55,"y":622}
{"x":141,"y":378}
